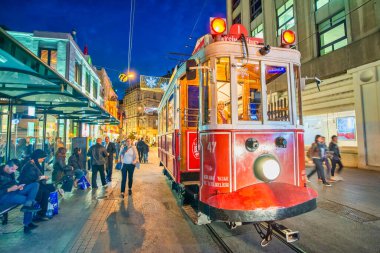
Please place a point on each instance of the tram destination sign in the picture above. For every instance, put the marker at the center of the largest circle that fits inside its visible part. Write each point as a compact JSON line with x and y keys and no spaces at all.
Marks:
{"x":250,"y":40}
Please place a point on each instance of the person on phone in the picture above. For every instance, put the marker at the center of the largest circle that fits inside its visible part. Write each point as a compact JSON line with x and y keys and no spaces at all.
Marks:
{"x":11,"y":192}
{"x":128,"y":158}
{"x":30,"y":173}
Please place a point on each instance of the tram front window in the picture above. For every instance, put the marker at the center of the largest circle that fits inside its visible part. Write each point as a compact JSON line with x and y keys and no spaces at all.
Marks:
{"x":223,"y":90}
{"x":277,"y":93}
{"x":248,"y":91}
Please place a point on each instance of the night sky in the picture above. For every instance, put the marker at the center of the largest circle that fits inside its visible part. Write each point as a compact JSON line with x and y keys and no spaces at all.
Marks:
{"x":160,"y":27}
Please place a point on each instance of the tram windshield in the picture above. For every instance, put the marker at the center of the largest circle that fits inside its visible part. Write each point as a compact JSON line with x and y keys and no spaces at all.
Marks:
{"x":277,"y":93}
{"x":249,"y":91}
{"x":223,"y":90}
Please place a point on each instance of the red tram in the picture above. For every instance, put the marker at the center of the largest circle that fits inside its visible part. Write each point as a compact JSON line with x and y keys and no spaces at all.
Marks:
{"x":230,"y":131}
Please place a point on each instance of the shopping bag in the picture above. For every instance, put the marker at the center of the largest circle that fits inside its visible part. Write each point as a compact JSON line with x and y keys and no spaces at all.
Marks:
{"x":83,"y":184}
{"x":53,"y":203}
{"x":119,"y":166}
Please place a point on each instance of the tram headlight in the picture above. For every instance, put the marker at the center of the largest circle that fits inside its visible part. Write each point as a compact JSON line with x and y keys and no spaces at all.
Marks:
{"x":266,"y":168}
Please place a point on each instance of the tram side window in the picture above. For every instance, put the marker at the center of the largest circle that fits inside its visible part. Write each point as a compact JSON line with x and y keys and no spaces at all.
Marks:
{"x":223,"y":90}
{"x":206,"y":98}
{"x":164,"y":119}
{"x":277,"y":93}
{"x":171,"y":113}
{"x":249,"y":91}
{"x":192,"y":105}
{"x":297,"y":82}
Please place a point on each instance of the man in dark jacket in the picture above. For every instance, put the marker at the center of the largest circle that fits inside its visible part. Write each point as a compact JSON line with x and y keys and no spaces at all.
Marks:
{"x":98,"y":155}
{"x":140,"y":149}
{"x":336,"y":158}
{"x":13,"y":193}
{"x":111,"y":150}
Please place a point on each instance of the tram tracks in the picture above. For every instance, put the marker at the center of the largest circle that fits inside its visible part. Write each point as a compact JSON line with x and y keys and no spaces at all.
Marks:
{"x":223,"y":245}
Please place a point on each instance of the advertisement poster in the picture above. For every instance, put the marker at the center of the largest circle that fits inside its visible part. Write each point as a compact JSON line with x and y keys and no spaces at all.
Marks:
{"x":346,"y":128}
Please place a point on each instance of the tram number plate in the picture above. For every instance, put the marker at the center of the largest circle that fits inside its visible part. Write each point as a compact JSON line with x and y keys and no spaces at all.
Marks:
{"x":211,"y":146}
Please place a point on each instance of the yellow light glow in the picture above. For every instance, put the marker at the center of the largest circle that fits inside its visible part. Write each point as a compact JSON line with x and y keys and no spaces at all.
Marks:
{"x":289,"y":37}
{"x":218,"y":25}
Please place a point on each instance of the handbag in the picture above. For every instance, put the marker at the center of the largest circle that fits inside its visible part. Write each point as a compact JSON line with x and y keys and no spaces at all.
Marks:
{"x":119,"y":165}
{"x":137,"y":165}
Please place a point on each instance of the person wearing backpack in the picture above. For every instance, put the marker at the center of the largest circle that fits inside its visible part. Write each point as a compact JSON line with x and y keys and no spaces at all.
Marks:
{"x":317,"y":151}
{"x":129,"y":159}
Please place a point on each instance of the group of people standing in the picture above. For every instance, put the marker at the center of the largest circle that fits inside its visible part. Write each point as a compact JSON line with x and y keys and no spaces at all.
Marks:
{"x":321,"y":154}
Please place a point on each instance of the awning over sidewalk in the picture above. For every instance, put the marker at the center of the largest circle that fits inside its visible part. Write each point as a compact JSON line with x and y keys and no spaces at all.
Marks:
{"x":26,"y":80}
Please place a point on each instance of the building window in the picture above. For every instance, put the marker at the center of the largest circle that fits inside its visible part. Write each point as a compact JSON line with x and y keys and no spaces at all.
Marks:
{"x":88,"y":82}
{"x":332,"y":33}
{"x":258,"y":32}
{"x":95,"y":90}
{"x":49,"y":56}
{"x":320,"y":3}
{"x":285,"y":16}
{"x":237,"y":20}
{"x":235,"y":3}
{"x":256,"y":9}
{"x":78,"y":73}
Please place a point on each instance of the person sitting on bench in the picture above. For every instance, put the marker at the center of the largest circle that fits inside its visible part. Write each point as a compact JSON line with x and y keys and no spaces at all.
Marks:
{"x":31,"y":172}
{"x":12,"y":193}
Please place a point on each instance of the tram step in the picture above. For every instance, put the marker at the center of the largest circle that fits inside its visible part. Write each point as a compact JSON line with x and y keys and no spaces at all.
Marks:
{"x":197,"y":218}
{"x":187,"y":183}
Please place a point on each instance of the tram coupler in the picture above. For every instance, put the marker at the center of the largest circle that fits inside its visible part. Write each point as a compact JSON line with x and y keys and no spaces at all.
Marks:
{"x":233,"y":225}
{"x":289,"y":235}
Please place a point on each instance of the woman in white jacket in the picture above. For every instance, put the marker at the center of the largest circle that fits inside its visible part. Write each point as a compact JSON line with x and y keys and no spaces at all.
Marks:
{"x":128,"y":158}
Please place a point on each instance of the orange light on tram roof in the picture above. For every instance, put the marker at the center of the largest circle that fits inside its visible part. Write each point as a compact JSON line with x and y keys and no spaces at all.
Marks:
{"x":288,"y":38}
{"x":218,"y":26}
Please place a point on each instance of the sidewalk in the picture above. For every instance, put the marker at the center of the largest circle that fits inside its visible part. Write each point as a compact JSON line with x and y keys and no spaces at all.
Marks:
{"x":150,"y":220}
{"x":100,"y":221}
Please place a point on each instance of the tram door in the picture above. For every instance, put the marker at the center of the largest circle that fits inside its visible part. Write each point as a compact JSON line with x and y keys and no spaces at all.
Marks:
{"x":189,"y":103}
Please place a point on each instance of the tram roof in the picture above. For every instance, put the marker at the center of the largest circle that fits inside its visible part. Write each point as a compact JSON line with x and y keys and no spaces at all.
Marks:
{"x":26,"y":80}
{"x":232,"y":49}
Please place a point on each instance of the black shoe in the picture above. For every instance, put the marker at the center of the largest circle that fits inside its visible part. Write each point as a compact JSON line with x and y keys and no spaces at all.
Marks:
{"x":27,"y":229}
{"x":94,"y":187}
{"x":41,"y":218}
{"x":122,"y":195}
{"x":129,"y":192}
{"x":29,"y":209}
{"x":32,"y":225}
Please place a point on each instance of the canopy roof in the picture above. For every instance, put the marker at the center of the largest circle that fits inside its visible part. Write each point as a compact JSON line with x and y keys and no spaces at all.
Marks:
{"x":26,"y":80}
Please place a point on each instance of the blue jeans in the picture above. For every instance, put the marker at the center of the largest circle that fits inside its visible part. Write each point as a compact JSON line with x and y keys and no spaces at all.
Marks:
{"x":145,"y":157}
{"x":26,"y":197}
{"x":319,"y":169}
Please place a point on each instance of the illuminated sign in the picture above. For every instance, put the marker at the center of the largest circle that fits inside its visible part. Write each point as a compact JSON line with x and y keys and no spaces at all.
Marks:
{"x":276,"y":70}
{"x":154,"y":82}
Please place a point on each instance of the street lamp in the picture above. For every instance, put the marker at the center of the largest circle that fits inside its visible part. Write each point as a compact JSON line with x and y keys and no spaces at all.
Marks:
{"x":124,"y":77}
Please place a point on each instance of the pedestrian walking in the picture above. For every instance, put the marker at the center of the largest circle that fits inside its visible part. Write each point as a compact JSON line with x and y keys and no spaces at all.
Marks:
{"x":140,"y":148}
{"x":129,"y":159}
{"x":145,"y":151}
{"x":111,"y":151}
{"x":325,"y":159}
{"x":336,"y":157}
{"x":317,"y":152}
{"x":98,"y":155}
